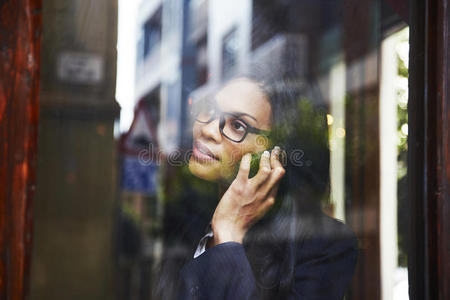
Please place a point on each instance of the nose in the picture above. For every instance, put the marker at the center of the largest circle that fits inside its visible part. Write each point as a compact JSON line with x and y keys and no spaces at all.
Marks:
{"x":211,"y":131}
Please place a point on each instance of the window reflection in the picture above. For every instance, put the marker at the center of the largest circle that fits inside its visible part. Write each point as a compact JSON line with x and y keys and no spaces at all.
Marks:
{"x":122,"y":205}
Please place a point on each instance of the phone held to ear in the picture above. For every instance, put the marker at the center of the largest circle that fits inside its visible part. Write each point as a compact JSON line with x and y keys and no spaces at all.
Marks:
{"x":254,"y":164}
{"x":256,"y":158}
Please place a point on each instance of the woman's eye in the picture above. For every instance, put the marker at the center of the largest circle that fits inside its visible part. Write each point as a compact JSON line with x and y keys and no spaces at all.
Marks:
{"x":238,"y":126}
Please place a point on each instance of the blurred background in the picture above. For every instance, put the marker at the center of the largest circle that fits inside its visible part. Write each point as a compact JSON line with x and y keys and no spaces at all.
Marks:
{"x":116,"y":82}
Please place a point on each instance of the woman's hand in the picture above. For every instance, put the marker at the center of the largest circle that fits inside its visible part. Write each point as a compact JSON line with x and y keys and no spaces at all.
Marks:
{"x":247,"y":200}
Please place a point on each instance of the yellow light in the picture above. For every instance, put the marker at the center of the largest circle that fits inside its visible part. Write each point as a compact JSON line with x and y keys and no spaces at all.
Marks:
{"x":404,"y":129}
{"x":330,"y":119}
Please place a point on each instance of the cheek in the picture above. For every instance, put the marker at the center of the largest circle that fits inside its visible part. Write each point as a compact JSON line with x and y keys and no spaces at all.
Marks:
{"x":232,"y":154}
{"x":195,"y":130}
{"x":210,"y":172}
{"x":257,"y":144}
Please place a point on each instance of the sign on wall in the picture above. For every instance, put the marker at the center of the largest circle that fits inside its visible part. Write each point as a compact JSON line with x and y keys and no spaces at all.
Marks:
{"x":80,"y":68}
{"x":139,"y":176}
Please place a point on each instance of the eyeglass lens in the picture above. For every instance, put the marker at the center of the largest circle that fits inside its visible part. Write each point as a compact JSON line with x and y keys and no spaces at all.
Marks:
{"x":233,"y":128}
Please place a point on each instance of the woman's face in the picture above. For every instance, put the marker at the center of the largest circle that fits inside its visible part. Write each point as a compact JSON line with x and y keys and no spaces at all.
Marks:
{"x":222,"y":155}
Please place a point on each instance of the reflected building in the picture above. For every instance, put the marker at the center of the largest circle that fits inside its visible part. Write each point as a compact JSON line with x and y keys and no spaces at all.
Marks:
{"x":165,"y":67}
{"x":188,"y":49}
{"x":341,"y":55}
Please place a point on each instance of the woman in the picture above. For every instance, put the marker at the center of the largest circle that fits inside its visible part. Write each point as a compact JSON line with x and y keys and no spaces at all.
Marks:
{"x":268,"y":238}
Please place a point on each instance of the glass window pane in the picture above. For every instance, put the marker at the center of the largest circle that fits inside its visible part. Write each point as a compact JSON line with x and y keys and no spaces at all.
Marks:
{"x":136,"y":199}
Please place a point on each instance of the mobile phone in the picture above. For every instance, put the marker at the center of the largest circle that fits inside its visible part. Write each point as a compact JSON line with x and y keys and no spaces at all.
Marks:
{"x":254,"y":164}
{"x":256,"y":158}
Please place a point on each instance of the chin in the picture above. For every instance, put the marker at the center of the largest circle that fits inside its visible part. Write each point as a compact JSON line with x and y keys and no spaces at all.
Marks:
{"x":212,"y":172}
{"x":204,"y":171}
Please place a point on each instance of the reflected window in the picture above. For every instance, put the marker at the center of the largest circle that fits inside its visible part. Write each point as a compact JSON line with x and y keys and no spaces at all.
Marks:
{"x":152,"y":33}
{"x":229,"y":52}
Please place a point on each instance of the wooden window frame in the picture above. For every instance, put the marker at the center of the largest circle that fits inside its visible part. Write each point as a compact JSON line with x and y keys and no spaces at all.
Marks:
{"x":20,"y":36}
{"x":428,"y":150}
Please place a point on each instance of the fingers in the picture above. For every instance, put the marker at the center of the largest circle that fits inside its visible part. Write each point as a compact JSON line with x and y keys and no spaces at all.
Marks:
{"x":264,"y":170}
{"x":277,"y":170}
{"x":244,"y":167}
{"x":275,"y":157}
{"x":269,"y":202}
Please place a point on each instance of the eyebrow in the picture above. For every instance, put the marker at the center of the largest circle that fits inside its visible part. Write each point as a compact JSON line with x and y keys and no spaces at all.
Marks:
{"x":236,"y":113}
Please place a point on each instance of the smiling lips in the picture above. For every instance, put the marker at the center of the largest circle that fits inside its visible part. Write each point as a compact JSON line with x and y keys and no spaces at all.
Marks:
{"x":201,"y":152}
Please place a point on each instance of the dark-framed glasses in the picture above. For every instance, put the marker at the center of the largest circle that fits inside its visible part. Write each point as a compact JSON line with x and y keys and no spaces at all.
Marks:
{"x":231,"y":125}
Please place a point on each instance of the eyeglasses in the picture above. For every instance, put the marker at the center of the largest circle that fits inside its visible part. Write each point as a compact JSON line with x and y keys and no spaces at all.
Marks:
{"x":231,"y":126}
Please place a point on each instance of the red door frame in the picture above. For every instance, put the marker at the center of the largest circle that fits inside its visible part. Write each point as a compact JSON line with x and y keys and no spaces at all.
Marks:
{"x":20,"y":33}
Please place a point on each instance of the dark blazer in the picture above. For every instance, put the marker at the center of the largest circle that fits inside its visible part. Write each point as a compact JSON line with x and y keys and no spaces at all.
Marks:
{"x":323,"y":268}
